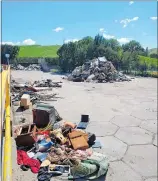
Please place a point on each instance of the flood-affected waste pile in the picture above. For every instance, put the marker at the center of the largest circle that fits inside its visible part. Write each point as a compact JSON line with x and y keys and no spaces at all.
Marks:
{"x":52,"y":147}
{"x":28,"y":68}
{"x":97,"y":70}
{"x":35,"y":90}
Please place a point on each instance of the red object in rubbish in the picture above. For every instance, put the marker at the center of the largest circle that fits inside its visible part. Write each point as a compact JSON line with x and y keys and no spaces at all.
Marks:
{"x":24,"y":159}
{"x":44,"y":132}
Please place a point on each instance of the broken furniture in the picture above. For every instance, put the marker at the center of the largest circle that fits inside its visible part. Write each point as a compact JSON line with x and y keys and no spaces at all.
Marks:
{"x":44,"y":116}
{"x":25,"y":135}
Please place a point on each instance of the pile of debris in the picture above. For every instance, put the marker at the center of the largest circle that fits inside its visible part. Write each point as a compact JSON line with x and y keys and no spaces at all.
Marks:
{"x":17,"y":67}
{"x":51,"y":147}
{"x":34,"y":90}
{"x":97,"y":70}
{"x":47,"y":83}
{"x":29,"y":68}
{"x":33,"y":96}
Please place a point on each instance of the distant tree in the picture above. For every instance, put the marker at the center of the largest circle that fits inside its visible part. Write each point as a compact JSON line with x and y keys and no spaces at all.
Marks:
{"x":85,"y":41}
{"x":153,"y":67}
{"x":9,"y":49}
{"x":91,"y":51}
{"x":126,"y":61}
{"x":146,"y":52}
{"x":98,"y":40}
{"x":153,"y":55}
{"x":80,"y":56}
{"x":133,"y":46}
{"x":129,"y":61}
{"x":67,"y":56}
{"x":113,"y":44}
{"x":100,"y":51}
{"x":82,"y":48}
{"x":143,"y":68}
{"x":112,"y":56}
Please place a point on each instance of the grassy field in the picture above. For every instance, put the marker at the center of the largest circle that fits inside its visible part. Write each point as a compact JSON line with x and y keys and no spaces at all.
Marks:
{"x":47,"y":51}
{"x":38,"y":51}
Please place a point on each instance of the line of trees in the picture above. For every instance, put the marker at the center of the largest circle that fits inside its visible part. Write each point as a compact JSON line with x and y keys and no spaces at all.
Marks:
{"x":125,"y":57}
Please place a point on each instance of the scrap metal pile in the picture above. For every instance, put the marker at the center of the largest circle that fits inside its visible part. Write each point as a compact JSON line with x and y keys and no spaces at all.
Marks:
{"x":29,"y":68}
{"x":51,"y":147}
{"x":97,"y":70}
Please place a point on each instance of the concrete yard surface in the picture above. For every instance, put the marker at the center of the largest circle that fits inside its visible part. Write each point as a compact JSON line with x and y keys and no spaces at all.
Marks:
{"x":123,"y":116}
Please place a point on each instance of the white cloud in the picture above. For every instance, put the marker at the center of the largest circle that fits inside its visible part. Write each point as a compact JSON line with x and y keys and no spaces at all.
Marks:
{"x":153,"y":18}
{"x":101,"y":30}
{"x":135,"y":18}
{"x":126,"y":21}
{"x":58,"y":29}
{"x":25,"y":42}
{"x":71,"y":40}
{"x":123,"y":40}
{"x":18,"y":43}
{"x":7,"y":43}
{"x":10,"y":43}
{"x":131,"y":2}
{"x":120,"y":40}
{"x":108,"y":36}
{"x":29,"y":42}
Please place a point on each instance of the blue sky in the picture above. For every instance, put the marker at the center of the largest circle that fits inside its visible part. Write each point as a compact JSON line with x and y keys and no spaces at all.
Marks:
{"x":49,"y":23}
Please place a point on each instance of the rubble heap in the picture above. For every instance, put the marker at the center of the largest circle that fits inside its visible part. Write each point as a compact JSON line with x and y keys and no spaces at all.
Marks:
{"x":46,"y":83}
{"x":97,"y":70}
{"x":34,"y":90}
{"x":29,"y":68}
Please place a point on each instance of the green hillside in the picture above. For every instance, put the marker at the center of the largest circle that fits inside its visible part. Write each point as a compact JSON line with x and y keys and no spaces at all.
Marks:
{"x":48,"y":51}
{"x":153,"y":50}
{"x":149,"y":61}
{"x":38,"y":51}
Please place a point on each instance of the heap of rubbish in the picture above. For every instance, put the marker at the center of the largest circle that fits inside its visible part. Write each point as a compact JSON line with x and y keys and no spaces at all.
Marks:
{"x":29,"y":68}
{"x":52,"y":147}
{"x":35,"y":90}
{"x":46,"y":83}
{"x":97,"y":70}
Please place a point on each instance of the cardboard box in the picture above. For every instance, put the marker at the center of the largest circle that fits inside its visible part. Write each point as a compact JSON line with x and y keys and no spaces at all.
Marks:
{"x":79,"y":143}
{"x":25,"y":100}
{"x":28,"y":107}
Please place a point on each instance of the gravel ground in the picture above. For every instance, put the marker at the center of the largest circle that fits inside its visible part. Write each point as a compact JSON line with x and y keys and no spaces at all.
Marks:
{"x":122,"y":115}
